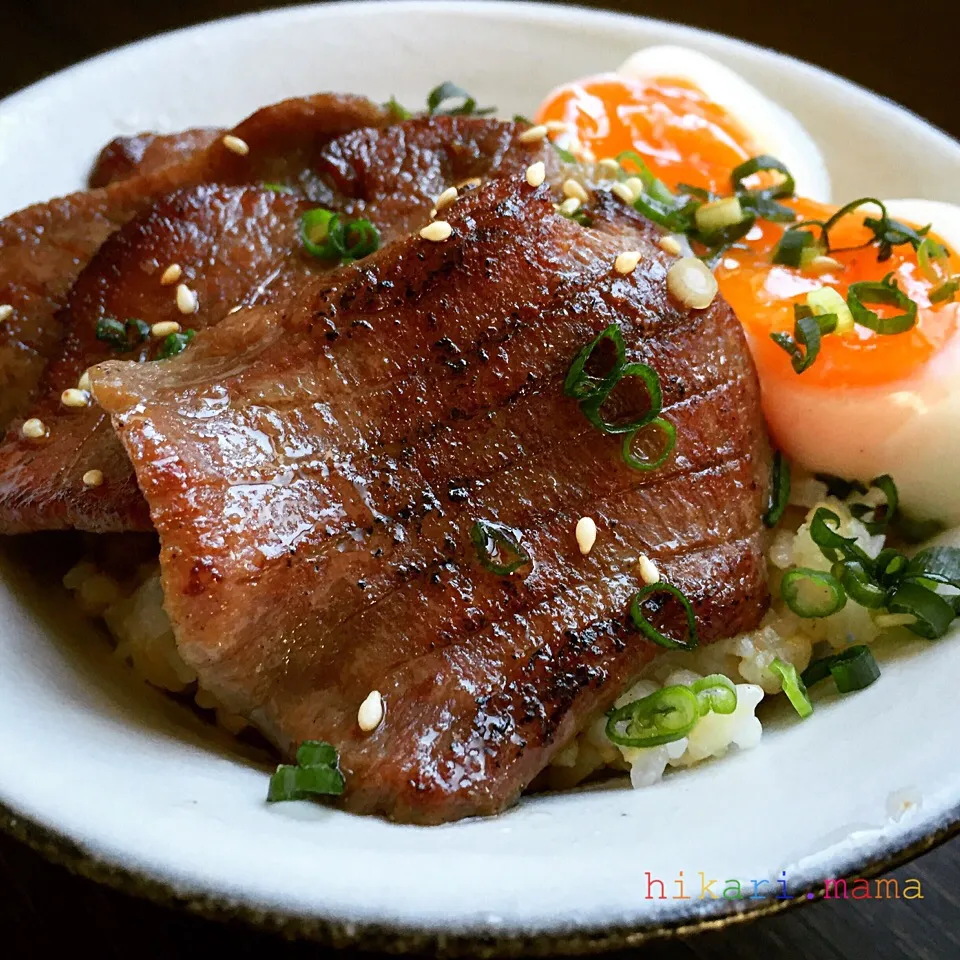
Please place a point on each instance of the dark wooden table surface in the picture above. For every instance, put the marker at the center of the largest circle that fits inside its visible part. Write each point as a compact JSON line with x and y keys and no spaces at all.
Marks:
{"x":907,"y":52}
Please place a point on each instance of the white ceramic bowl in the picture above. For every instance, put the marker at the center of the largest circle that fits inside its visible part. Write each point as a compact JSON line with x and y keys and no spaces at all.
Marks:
{"x":121,"y":782}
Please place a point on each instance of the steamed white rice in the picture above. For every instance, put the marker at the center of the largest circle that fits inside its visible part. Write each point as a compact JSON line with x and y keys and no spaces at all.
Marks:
{"x":136,"y":619}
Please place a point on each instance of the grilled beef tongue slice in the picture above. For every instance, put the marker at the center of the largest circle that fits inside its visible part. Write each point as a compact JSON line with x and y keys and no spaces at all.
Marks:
{"x":235,"y":245}
{"x":314,"y":471}
{"x":143,"y":153}
{"x":43,"y":248}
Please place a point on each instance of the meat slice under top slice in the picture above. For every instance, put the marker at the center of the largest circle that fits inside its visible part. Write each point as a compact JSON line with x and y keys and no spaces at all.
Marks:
{"x":43,"y":248}
{"x":235,"y":246}
{"x":143,"y":153}
{"x":314,"y":472}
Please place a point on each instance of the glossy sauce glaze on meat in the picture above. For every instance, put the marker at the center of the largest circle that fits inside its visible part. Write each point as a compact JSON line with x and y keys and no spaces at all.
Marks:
{"x":236,"y":246}
{"x":314,"y":471}
{"x":44,"y":248}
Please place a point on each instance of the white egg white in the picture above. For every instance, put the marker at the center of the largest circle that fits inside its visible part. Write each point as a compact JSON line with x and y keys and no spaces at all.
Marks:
{"x":775,"y":130}
{"x":909,"y":428}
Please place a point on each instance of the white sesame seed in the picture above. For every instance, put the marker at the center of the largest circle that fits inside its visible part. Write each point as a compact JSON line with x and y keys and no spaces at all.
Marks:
{"x":533,"y":134}
{"x":34,"y":429}
{"x":820,"y":265}
{"x":164,"y":329}
{"x":187,"y":300}
{"x":573,"y":188}
{"x":587,"y":155}
{"x":171,"y":275}
{"x":556,"y":126}
{"x":648,"y":570}
{"x":690,"y":280}
{"x":569,"y":206}
{"x":622,"y":191}
{"x":236,"y":145}
{"x":436,"y":231}
{"x":635,"y":186}
{"x":586,"y":534}
{"x":627,"y":261}
{"x":370,"y":714}
{"x":670,"y":244}
{"x":445,"y":198}
{"x":93,"y":478}
{"x":536,"y":173}
{"x":73,"y":397}
{"x":609,"y":167}
{"x":6,"y":312}
{"x":84,"y":383}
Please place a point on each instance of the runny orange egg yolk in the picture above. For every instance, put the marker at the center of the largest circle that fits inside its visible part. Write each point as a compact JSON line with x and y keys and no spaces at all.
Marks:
{"x":763,"y":295}
{"x":686,"y":138}
{"x":683,"y":136}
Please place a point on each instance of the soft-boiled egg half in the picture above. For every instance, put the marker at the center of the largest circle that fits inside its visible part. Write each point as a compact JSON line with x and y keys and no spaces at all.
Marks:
{"x":871,"y":403}
{"x":691,"y":118}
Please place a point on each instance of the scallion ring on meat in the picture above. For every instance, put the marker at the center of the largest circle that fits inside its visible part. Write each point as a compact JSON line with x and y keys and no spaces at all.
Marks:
{"x":582,"y":385}
{"x":812,"y":593}
{"x":174,"y":343}
{"x":591,"y":407}
{"x":498,"y":547}
{"x":449,"y":100}
{"x":122,"y":335}
{"x":326,"y":237}
{"x":667,"y":715}
{"x":658,"y":425}
{"x":650,"y":594}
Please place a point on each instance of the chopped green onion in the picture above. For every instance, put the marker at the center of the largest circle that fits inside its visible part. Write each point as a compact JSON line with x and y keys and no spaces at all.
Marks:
{"x":858,"y":584}
{"x":890,"y":566}
{"x":583,"y":386}
{"x":946,"y":291}
{"x":812,"y":593}
{"x":667,"y":715}
{"x":941,"y":564}
{"x":877,"y":519}
{"x":565,"y":155}
{"x":823,"y":532}
{"x":933,"y":260}
{"x":934,"y":613}
{"x":718,"y":215}
{"x":591,"y":407}
{"x":174,"y":343}
{"x":715,"y":693}
{"x":324,"y":236}
{"x":660,"y":425}
{"x":122,"y":335}
{"x":360,"y":238}
{"x":316,"y":773}
{"x":779,"y":490}
{"x":439,"y":102}
{"x":278,"y":188}
{"x":762,"y":201}
{"x":853,"y":669}
{"x":884,"y":292}
{"x":397,"y":110}
{"x":825,"y":302}
{"x":808,"y":328}
{"x":793,"y":687}
{"x":796,"y":248}
{"x":648,"y":594}
{"x":498,"y":547}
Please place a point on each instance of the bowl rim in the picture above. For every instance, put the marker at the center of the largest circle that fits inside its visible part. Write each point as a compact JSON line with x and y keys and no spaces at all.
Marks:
{"x":61,"y":849}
